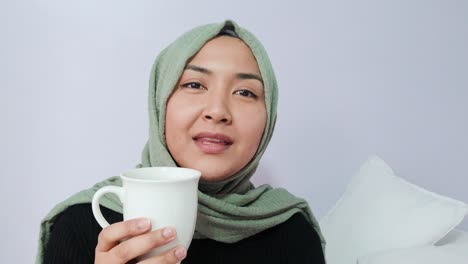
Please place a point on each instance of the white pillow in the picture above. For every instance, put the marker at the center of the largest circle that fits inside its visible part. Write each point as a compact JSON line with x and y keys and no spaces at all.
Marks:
{"x":454,"y":236}
{"x":451,"y":254}
{"x":380,"y":211}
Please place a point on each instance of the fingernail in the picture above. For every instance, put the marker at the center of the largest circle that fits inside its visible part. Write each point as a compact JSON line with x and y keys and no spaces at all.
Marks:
{"x":180,"y":253}
{"x":168,"y":232}
{"x":143,"y":223}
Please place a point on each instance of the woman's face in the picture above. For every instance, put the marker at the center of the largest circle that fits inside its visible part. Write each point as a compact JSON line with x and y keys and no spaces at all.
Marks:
{"x":216,"y":115}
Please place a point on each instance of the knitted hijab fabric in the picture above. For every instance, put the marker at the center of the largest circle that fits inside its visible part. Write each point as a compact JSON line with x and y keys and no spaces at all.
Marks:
{"x":228,"y":210}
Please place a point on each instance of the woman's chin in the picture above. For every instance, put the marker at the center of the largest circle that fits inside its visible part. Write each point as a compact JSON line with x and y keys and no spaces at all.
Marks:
{"x":209,"y":176}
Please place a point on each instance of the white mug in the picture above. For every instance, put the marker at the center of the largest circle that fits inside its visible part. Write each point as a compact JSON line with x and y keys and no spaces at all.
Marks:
{"x":168,"y":196}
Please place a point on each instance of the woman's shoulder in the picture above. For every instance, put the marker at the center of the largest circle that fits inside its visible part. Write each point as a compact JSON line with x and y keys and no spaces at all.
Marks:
{"x":300,"y":239}
{"x":293,"y":241}
{"x":296,"y":228}
{"x":74,"y":212}
{"x":73,"y":234}
{"x":296,"y":240}
{"x":78,"y":221}
{"x":82,"y":215}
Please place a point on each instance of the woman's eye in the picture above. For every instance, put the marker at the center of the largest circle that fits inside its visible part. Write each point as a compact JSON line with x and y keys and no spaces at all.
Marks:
{"x":246,"y":93}
{"x":192,"y":85}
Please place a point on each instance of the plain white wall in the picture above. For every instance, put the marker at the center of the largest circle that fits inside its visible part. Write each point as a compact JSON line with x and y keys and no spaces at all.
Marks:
{"x":356,"y":78}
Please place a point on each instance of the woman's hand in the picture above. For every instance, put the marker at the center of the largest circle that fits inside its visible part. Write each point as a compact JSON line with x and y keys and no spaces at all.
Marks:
{"x":139,"y":241}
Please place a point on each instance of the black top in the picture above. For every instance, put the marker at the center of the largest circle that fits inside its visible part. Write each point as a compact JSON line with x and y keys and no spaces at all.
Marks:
{"x":74,"y":235}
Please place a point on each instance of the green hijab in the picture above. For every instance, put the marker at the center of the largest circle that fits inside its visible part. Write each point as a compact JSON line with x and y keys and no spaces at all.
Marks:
{"x":228,"y":210}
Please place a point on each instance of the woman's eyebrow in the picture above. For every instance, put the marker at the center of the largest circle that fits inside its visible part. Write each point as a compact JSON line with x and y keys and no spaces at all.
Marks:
{"x":198,"y":69}
{"x":244,"y":76}
{"x":241,"y":76}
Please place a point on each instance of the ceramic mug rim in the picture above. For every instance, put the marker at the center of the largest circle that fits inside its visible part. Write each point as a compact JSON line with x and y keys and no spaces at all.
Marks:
{"x":191,"y":174}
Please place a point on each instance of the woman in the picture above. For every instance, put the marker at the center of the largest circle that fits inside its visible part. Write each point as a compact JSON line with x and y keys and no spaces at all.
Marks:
{"x":212,"y":107}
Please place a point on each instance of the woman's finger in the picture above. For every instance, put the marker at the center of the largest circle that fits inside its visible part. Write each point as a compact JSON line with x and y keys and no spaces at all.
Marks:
{"x":171,"y":256}
{"x":113,"y":234}
{"x":142,"y":244}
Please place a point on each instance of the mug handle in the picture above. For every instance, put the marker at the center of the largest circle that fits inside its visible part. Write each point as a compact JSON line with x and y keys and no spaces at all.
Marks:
{"x":119,"y":191}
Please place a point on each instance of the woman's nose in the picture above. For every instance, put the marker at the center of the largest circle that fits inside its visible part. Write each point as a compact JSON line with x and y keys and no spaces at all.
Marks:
{"x":217,"y":110}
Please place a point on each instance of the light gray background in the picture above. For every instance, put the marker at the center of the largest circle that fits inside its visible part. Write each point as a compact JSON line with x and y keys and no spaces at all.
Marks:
{"x":356,"y":78}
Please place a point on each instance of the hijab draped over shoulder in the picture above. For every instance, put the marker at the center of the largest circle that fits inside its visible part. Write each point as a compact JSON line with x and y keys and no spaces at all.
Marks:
{"x":228,"y":210}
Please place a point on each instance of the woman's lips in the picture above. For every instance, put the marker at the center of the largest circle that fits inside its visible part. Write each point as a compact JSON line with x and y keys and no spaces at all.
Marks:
{"x":211,"y":143}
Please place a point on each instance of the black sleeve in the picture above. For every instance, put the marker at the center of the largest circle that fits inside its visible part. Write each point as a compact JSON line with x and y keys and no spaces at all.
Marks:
{"x":73,"y":237}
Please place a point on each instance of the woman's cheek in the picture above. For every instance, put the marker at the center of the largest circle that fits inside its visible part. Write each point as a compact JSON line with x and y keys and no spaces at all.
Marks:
{"x":254,"y":124}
